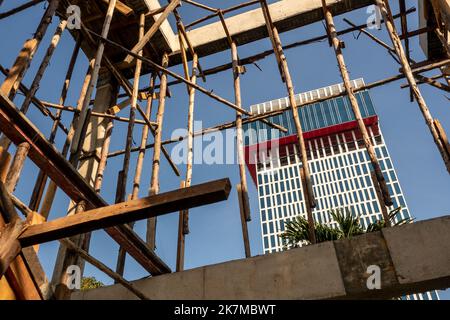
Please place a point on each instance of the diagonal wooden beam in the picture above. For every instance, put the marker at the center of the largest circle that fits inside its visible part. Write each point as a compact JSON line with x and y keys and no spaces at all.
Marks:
{"x":121,"y":7}
{"x":153,"y":29}
{"x":127,"y":212}
{"x":19,"y":129}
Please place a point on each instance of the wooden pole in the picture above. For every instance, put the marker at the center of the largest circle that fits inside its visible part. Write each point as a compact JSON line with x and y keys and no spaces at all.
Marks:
{"x":129,"y":142}
{"x":337,"y":45}
{"x":144,"y":139}
{"x":102,"y":267}
{"x":153,"y":29}
{"x":309,"y":214}
{"x":181,"y":237}
{"x":43,"y":66}
{"x":182,"y":79}
{"x":42,"y":177}
{"x":406,"y":68}
{"x":62,"y":292}
{"x":239,"y":133}
{"x":245,"y":237}
{"x":95,"y":71}
{"x":283,"y":65}
{"x":51,"y":190}
{"x":22,"y":63}
{"x":190,"y":123}
{"x":154,"y":183}
{"x":16,"y":166}
{"x":103,"y":157}
{"x":19,"y":8}
{"x":269,"y":114}
{"x":134,"y":99}
{"x":121,"y":258}
{"x":383,"y":207}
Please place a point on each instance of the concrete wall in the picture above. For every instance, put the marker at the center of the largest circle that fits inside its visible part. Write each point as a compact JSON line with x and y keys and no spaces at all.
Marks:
{"x":412,"y":258}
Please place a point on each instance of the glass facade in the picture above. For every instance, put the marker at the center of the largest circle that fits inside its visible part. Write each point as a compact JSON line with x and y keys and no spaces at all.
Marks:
{"x":339,"y":164}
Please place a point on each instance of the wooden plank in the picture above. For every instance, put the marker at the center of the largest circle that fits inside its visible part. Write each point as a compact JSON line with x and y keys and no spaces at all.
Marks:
{"x":153,"y":29}
{"x":10,"y":247}
{"x":19,"y":129}
{"x":127,"y":212}
{"x":121,"y":7}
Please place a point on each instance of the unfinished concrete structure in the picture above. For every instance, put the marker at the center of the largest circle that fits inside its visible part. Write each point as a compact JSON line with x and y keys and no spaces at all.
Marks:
{"x":128,"y":39}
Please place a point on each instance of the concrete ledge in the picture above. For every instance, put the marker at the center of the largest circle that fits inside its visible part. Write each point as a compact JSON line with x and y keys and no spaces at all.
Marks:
{"x":412,"y":258}
{"x":250,"y":25}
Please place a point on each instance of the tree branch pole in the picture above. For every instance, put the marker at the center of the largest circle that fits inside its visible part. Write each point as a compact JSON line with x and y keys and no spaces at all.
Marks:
{"x":129,"y":141}
{"x":154,"y":182}
{"x":51,"y":190}
{"x":278,"y":48}
{"x":337,"y":45}
{"x":42,"y":177}
{"x":243,"y":188}
{"x":182,"y":79}
{"x":386,"y":12}
{"x":269,"y":114}
{"x":94,"y":78}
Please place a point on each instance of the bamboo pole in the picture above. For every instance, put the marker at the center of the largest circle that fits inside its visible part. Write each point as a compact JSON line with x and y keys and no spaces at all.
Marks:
{"x":154,"y":183}
{"x":182,"y":79}
{"x":126,"y":162}
{"x":283,"y":65}
{"x":43,"y":66}
{"x":181,"y":237}
{"x":385,"y":10}
{"x":22,"y":63}
{"x":51,"y":190}
{"x":239,"y":133}
{"x":309,"y":214}
{"x":20,"y":8}
{"x":95,"y":72}
{"x":144,"y":139}
{"x":17,"y":165}
{"x":134,"y":99}
{"x":17,"y":72}
{"x":42,"y":177}
{"x":103,"y":157}
{"x":190,"y":125}
{"x":337,"y":45}
{"x":269,"y":114}
{"x":121,"y":258}
{"x":62,"y":292}
{"x":245,"y":237}
{"x":102,"y":267}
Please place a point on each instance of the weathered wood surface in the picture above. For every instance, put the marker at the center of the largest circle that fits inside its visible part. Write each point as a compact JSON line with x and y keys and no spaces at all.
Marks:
{"x":127,"y":212}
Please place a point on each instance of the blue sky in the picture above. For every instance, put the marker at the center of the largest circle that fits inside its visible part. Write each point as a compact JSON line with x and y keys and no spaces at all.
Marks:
{"x":215,"y":230}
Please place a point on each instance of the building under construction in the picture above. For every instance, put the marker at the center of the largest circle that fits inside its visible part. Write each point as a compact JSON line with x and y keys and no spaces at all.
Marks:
{"x":133,"y":49}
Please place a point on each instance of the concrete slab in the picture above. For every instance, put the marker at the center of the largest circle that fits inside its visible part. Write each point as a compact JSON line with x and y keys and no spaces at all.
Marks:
{"x":420,"y":251}
{"x":250,"y":26}
{"x":412,"y":258}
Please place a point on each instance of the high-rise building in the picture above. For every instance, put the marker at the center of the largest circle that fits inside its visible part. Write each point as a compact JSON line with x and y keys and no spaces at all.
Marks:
{"x":339,"y":164}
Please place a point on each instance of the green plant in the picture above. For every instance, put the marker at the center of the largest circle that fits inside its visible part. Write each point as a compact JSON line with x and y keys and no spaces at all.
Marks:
{"x":296,"y":231}
{"x":88,"y":283}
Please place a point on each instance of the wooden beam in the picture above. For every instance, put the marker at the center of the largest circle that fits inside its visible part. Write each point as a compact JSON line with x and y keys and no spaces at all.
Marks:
{"x":153,"y":29}
{"x":19,"y":129}
{"x":102,"y":267}
{"x":337,"y":46}
{"x":156,"y":162}
{"x":122,"y":8}
{"x":22,"y":63}
{"x":126,"y":212}
{"x":10,"y":246}
{"x":20,"y":8}
{"x":406,"y":69}
{"x":286,"y":77}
